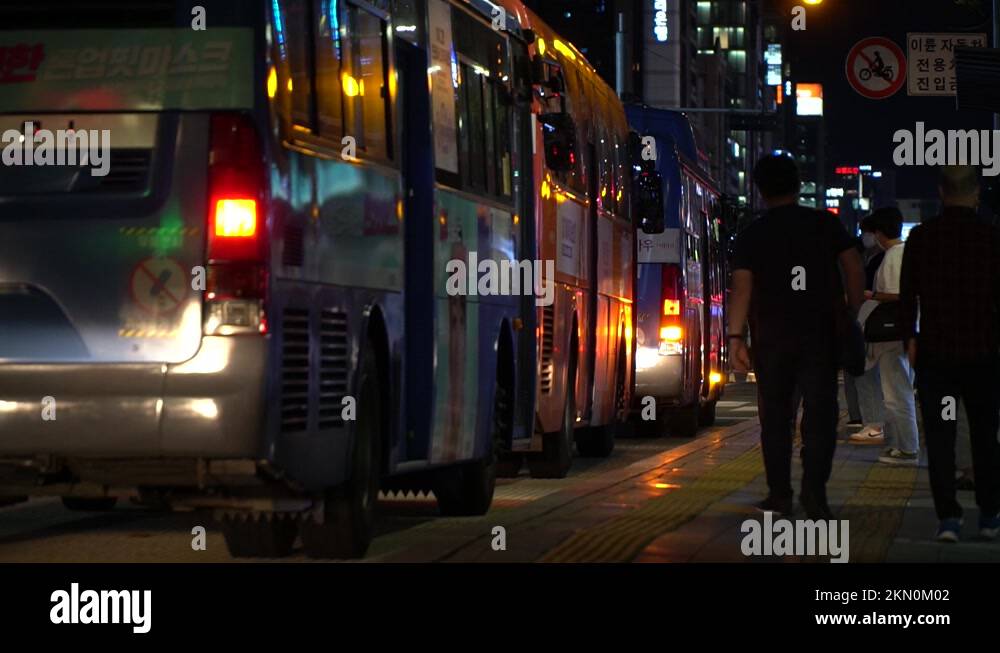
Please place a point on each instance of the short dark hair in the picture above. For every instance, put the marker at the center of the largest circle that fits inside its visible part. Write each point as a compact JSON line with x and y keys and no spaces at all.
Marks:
{"x":958,"y":181}
{"x":866,"y":225}
{"x":888,"y":220}
{"x":776,"y":175}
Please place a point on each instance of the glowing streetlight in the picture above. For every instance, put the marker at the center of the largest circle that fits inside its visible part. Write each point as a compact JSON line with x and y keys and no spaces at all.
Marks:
{"x":813,"y":2}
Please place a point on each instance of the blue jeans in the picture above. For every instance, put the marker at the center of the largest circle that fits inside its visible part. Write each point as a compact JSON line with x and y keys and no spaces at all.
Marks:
{"x":869,"y":387}
{"x":900,"y":403}
{"x":851,"y":393}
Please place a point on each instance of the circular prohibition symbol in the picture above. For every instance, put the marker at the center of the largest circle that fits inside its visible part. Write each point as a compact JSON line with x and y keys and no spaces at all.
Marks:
{"x":876,"y":68}
{"x":158,"y":285}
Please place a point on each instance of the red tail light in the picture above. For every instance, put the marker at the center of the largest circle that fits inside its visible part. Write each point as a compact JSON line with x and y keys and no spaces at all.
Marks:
{"x":672,"y":298}
{"x":237,"y":183}
{"x":237,"y":235}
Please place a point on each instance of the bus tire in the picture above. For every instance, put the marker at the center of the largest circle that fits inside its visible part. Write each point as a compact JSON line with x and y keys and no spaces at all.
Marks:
{"x":706,"y":415}
{"x":468,"y":490}
{"x":258,"y":534}
{"x":89,"y":504}
{"x":684,"y":421}
{"x":557,"y":448}
{"x":348,"y":523}
{"x":599,"y":442}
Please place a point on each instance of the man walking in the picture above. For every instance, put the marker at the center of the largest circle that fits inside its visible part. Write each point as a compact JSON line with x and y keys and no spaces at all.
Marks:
{"x":786,"y":282}
{"x":951,"y":273}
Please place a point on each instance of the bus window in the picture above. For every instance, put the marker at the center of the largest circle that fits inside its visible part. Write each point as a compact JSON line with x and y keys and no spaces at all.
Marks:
{"x":298,"y":26}
{"x":471,"y":128}
{"x":605,"y":171}
{"x":328,"y":55}
{"x":407,"y":20}
{"x":484,"y":113}
{"x":623,"y":176}
{"x":365,"y":83}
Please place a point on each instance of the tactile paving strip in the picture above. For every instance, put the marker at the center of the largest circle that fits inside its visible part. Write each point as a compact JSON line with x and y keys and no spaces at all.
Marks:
{"x":875,"y":512}
{"x":621,"y":539}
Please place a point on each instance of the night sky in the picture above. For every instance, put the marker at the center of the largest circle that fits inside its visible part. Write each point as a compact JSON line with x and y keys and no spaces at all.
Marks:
{"x":859,"y":130}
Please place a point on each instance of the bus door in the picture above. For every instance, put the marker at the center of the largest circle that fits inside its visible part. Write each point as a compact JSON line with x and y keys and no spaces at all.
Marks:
{"x":593,"y":280}
{"x":527,"y":347}
{"x":418,"y":204}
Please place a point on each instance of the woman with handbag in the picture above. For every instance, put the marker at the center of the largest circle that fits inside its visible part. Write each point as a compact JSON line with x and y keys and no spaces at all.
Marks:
{"x":883,"y":332}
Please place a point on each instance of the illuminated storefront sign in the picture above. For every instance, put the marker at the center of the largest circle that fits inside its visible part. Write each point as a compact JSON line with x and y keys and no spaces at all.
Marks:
{"x":660,"y":30}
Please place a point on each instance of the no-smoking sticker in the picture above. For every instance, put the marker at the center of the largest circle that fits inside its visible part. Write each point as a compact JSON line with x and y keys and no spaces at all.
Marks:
{"x":876,"y":68}
{"x":158,"y":285}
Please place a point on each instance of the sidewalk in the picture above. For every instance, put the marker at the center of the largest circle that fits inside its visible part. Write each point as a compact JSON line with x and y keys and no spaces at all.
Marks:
{"x":890,"y":512}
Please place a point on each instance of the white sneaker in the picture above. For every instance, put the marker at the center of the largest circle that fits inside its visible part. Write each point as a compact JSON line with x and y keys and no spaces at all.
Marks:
{"x":871,"y":434}
{"x":900,"y":458}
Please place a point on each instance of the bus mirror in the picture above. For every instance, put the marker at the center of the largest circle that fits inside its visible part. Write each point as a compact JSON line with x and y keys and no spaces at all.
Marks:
{"x":547,"y":74}
{"x":560,"y":141}
{"x":634,"y":148}
{"x":538,"y":70}
{"x":649,"y":202}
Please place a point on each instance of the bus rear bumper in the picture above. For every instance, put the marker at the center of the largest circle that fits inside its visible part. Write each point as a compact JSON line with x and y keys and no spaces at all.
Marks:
{"x":660,"y":377}
{"x":210,"y":406}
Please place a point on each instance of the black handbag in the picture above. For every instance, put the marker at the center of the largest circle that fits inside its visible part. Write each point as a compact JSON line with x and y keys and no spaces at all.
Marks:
{"x":850,"y":341}
{"x":883,"y":324}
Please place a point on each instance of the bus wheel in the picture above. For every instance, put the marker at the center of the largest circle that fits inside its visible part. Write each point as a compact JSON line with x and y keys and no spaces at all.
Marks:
{"x":258,"y":534}
{"x":599,"y":441}
{"x":89,"y":504}
{"x":468,"y":490}
{"x":684,"y":421}
{"x":349,"y":510}
{"x":706,"y":415}
{"x":557,"y":448}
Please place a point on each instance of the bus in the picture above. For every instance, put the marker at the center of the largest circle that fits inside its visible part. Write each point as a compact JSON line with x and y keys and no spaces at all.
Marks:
{"x":584,"y":223}
{"x":254,"y":311}
{"x":249,"y":313}
{"x":681,"y":287}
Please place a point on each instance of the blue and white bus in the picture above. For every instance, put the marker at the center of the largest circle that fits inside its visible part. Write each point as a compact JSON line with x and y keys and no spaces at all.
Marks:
{"x":249,"y":313}
{"x":681,"y":284}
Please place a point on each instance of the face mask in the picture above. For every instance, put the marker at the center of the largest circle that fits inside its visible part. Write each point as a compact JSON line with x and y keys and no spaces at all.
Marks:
{"x":869,"y":240}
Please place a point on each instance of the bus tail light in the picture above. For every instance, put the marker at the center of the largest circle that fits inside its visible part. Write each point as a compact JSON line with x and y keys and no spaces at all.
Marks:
{"x":671,"y":334}
{"x":671,"y":323}
{"x":237,"y":283}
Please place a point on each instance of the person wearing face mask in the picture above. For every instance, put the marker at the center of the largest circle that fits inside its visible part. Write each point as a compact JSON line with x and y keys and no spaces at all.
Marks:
{"x":869,"y":385}
{"x":894,"y":370}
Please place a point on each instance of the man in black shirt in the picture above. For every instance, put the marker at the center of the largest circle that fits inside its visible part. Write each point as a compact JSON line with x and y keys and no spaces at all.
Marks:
{"x":786,"y":283}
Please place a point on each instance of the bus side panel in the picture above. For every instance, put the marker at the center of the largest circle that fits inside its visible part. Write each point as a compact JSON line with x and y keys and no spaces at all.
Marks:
{"x":337,"y":257}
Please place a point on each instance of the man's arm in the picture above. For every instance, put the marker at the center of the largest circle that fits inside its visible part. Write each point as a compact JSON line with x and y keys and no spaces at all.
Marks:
{"x":739,"y":309}
{"x":854,"y":277}
{"x":739,"y":301}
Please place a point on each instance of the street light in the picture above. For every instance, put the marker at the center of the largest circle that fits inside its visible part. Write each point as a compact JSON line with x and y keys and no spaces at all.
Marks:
{"x":813,"y":2}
